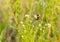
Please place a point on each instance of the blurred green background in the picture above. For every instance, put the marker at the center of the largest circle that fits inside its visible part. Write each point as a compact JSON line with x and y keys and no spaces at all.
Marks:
{"x":18,"y":21}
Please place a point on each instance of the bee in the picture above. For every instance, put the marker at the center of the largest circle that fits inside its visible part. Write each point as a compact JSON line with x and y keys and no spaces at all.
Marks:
{"x":37,"y":16}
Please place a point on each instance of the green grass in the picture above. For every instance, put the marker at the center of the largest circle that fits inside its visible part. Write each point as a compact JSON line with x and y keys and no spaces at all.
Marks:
{"x":18,"y":15}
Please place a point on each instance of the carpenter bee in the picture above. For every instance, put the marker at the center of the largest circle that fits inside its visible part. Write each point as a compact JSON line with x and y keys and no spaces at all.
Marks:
{"x":37,"y":16}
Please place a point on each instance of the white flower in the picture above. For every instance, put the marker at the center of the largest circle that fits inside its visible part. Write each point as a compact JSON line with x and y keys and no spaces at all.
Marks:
{"x":41,"y":29}
{"x":27,"y":16}
{"x":48,"y":25}
{"x":21,"y":22}
{"x":23,"y":25}
{"x":22,"y":36}
{"x":40,"y":25}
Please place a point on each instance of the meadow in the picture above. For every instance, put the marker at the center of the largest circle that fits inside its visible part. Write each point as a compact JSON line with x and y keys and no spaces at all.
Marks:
{"x":29,"y":20}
